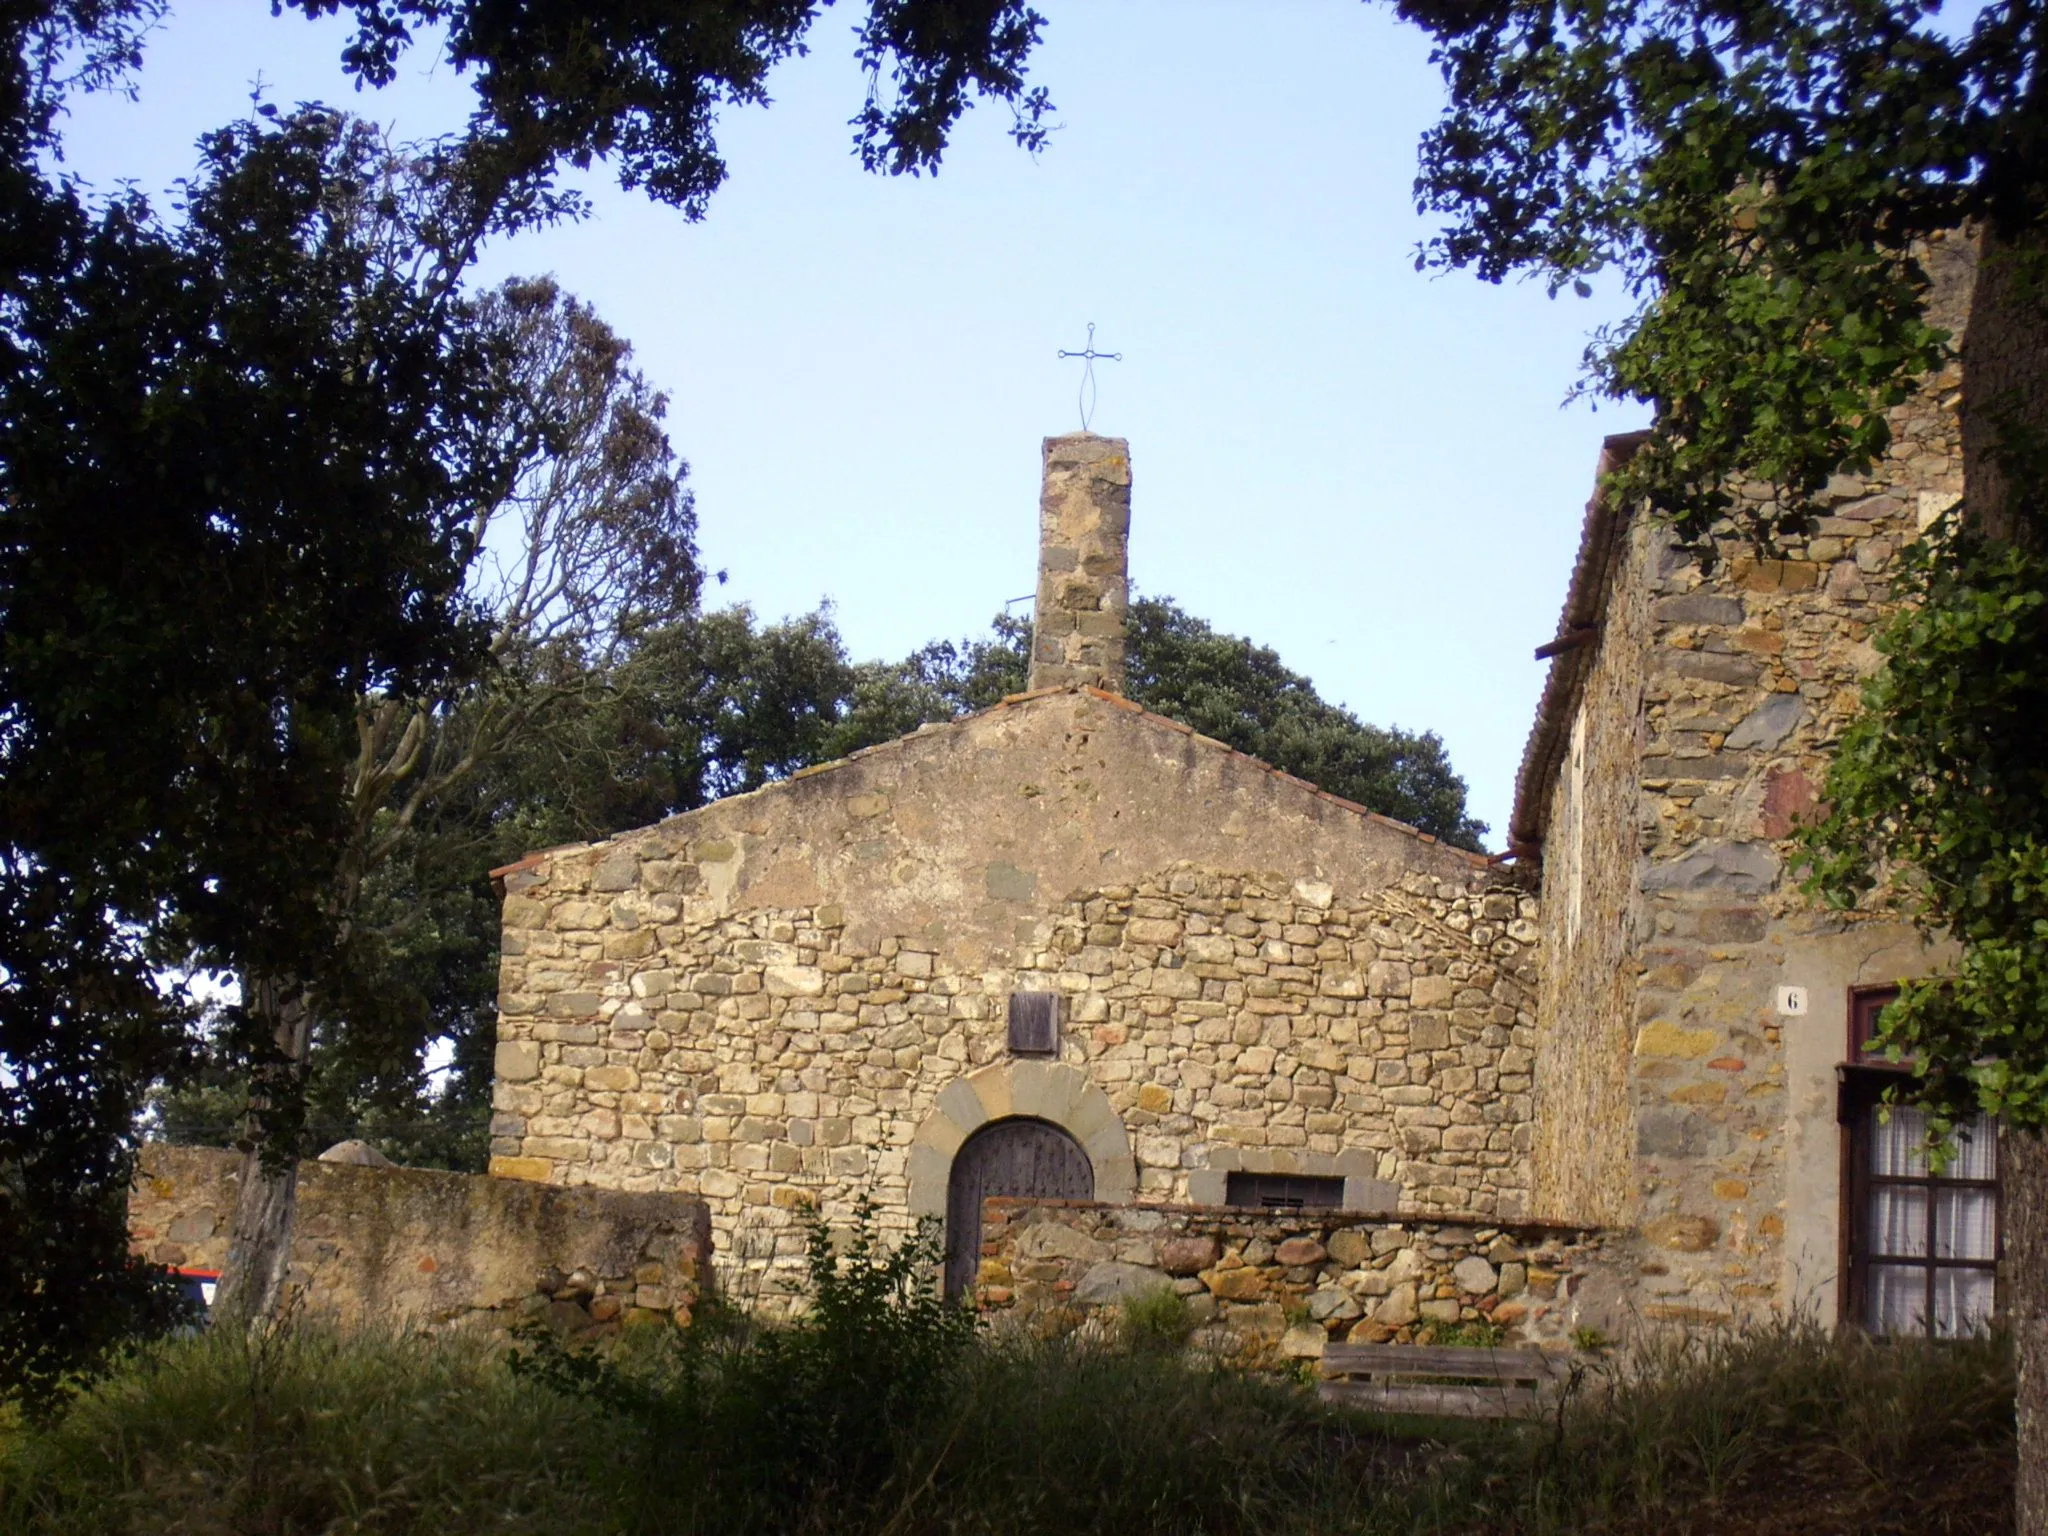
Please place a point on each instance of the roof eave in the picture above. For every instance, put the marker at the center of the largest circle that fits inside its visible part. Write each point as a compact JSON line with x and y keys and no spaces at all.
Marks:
{"x":1572,"y":652}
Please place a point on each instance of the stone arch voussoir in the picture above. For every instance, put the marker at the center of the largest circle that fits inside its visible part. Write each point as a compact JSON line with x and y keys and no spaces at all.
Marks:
{"x":1038,"y":1090}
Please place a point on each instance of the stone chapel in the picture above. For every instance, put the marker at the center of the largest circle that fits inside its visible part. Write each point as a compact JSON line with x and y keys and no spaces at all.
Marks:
{"x":1063,"y":947}
{"x":1069,"y":950}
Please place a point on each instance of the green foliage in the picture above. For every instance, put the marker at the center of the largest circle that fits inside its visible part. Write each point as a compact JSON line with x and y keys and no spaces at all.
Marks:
{"x":1760,"y":176}
{"x":237,"y":457}
{"x":1159,"y":1319}
{"x":1478,"y":1334}
{"x":940,"y":681}
{"x":304,"y":1430}
{"x":299,"y":1430}
{"x":788,"y":1424}
{"x":1789,"y":1426}
{"x":559,"y":80}
{"x":1938,"y":803}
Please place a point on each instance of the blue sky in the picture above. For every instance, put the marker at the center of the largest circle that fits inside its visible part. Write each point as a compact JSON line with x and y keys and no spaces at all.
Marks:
{"x":1359,"y":465}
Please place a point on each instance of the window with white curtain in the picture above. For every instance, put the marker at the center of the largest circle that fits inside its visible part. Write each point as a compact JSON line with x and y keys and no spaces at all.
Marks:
{"x":1923,"y":1244}
{"x":1932,"y":1251}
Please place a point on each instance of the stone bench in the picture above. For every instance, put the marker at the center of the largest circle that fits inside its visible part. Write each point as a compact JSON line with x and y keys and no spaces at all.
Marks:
{"x":1461,"y":1382}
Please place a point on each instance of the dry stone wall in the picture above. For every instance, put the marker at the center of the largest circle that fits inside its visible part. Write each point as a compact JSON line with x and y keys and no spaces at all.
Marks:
{"x":387,"y":1245}
{"x":1585,"y":1141}
{"x":1267,"y":1287}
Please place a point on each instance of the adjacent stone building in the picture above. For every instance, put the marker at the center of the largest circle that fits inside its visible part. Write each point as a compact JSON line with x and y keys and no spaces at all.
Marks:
{"x":1699,"y":1076}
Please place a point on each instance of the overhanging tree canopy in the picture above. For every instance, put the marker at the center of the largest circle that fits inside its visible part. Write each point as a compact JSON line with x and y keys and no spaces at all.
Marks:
{"x":1758,"y":174}
{"x":237,"y":448}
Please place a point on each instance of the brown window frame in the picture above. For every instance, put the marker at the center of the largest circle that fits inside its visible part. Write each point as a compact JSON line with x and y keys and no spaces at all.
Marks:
{"x":1866,"y":1006}
{"x":1864,"y":1079}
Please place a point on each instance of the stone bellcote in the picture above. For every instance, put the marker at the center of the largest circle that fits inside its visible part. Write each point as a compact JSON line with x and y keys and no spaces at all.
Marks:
{"x":1084,"y":588}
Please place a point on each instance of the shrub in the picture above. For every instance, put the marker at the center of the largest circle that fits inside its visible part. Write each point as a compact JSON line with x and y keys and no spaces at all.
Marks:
{"x":881,"y":1414}
{"x":734,"y":1428}
{"x":1159,"y":1319}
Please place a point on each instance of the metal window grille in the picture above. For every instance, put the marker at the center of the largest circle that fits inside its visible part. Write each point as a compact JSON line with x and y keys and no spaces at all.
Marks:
{"x":1035,"y":1023}
{"x":1283,"y":1191}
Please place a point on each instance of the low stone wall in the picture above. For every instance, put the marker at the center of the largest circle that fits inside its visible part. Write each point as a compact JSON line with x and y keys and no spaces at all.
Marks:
{"x":1267,"y":1286}
{"x":417,"y":1246}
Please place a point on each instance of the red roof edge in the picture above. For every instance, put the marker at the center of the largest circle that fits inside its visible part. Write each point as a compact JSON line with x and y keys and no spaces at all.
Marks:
{"x":528,"y":862}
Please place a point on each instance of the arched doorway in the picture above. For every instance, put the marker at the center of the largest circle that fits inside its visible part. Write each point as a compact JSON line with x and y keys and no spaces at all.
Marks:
{"x":1032,"y":1159}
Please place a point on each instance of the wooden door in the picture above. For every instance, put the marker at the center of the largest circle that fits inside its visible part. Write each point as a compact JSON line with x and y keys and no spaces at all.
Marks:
{"x":1027,"y":1158}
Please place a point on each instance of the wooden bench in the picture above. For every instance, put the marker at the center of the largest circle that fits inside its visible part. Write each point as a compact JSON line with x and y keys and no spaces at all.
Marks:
{"x":1481,"y":1384}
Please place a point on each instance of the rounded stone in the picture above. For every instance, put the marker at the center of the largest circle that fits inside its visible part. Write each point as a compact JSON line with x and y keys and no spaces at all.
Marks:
{"x":1474,"y":1275}
{"x":1398,"y":1310}
{"x":1187,"y":1255}
{"x":1300,"y":1250}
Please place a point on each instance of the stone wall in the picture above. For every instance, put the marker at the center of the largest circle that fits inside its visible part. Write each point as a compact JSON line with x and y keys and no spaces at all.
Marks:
{"x":1749,"y":671}
{"x":766,"y":1001}
{"x":1585,"y":1138}
{"x":1269,"y":1286}
{"x":417,"y":1246}
{"x":1084,"y":524}
{"x":776,"y":1059}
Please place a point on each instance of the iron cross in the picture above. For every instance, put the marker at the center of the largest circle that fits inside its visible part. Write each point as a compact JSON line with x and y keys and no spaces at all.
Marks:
{"x":1088,"y":355}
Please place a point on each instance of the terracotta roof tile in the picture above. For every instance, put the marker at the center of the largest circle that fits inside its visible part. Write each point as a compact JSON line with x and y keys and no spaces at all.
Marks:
{"x":526,"y":862}
{"x":1022,"y":698}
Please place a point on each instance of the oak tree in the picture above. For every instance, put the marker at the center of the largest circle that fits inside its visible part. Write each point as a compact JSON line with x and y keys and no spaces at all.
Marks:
{"x":240,"y":441}
{"x":1768,"y":178}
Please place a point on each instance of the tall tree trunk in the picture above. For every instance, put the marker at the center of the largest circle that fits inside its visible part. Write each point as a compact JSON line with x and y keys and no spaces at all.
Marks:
{"x":2005,"y":462}
{"x":2026,"y":1253}
{"x":259,"y":1255}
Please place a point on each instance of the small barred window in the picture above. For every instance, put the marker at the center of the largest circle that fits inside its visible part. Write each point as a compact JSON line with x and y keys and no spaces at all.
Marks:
{"x":1284,"y":1191}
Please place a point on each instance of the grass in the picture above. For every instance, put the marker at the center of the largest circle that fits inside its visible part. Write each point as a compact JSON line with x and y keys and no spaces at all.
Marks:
{"x":1784,"y":1430}
{"x":306,"y":1432}
{"x":884,"y":1413}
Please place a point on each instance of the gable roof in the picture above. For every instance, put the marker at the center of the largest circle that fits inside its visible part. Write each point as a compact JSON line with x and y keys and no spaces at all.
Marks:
{"x":1571,"y":654}
{"x":1018,"y":701}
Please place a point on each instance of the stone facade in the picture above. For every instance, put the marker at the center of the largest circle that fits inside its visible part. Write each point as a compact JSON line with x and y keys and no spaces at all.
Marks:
{"x":393,"y":1246}
{"x":799,"y":994}
{"x":1663,"y":788}
{"x":1585,"y":1150}
{"x":1268,"y":1286}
